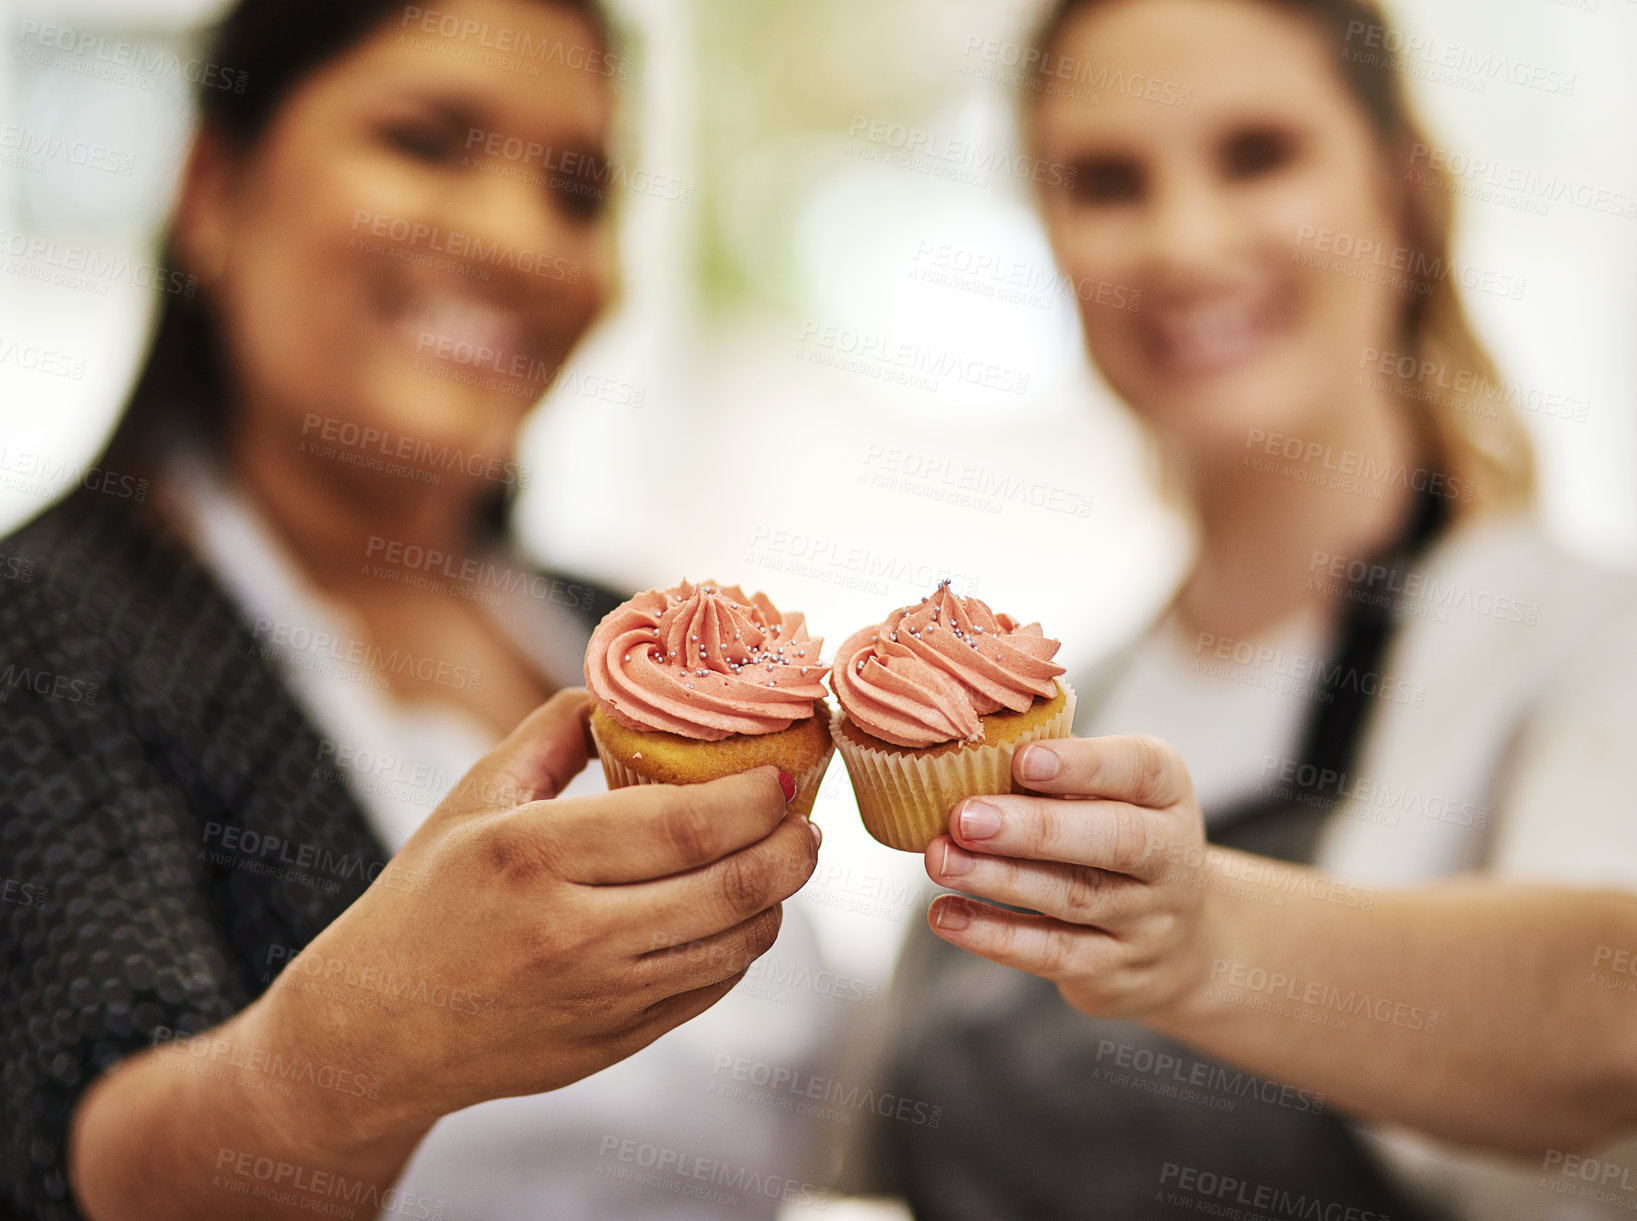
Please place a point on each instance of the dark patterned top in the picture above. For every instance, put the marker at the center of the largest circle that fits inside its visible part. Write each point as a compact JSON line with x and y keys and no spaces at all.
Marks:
{"x":140,"y":724}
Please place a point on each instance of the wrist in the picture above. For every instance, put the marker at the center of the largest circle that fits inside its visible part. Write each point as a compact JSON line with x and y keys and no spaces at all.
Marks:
{"x":1196,"y":1005}
{"x":336,"y":1105}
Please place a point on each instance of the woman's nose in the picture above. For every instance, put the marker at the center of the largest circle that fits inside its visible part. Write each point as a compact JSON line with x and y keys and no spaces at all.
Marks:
{"x":1189,"y":223}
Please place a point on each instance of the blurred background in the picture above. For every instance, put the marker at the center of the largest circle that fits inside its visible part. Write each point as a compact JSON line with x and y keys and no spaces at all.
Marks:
{"x":779,"y":244}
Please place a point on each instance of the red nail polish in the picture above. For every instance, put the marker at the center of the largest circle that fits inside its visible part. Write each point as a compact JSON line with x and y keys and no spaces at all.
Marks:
{"x":788,"y":784}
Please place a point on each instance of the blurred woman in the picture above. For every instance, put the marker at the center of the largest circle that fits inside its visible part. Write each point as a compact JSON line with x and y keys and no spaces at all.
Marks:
{"x":1377,"y":671}
{"x":243,"y":700}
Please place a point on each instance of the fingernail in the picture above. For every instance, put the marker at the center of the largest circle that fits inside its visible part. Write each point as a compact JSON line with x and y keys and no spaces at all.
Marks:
{"x":788,"y":784}
{"x":979,"y":820}
{"x":1039,"y":763}
{"x":818,"y":832}
{"x":955,"y":862}
{"x":952,"y":917}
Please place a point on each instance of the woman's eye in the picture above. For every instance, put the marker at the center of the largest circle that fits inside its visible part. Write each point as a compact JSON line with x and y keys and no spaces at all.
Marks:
{"x":1108,"y":180}
{"x":1250,"y":154}
{"x":432,"y":143}
{"x":582,"y":194}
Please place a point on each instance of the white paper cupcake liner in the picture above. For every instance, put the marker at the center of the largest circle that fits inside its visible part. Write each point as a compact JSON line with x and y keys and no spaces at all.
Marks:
{"x":620,"y":774}
{"x":905,"y":799}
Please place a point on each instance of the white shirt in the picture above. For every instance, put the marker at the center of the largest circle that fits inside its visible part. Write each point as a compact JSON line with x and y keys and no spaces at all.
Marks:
{"x":671,"y":1132}
{"x":1503,"y":741}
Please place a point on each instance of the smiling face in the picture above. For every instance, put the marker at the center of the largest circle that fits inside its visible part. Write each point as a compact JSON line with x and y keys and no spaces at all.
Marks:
{"x":1203,"y":209}
{"x":416,"y":241}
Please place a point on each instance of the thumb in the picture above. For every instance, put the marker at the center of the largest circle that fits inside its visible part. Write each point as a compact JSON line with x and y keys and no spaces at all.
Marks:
{"x":534,"y":762}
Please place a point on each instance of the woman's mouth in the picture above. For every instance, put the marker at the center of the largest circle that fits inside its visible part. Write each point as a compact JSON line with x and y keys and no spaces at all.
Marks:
{"x":459,"y":329}
{"x":1209,"y":335}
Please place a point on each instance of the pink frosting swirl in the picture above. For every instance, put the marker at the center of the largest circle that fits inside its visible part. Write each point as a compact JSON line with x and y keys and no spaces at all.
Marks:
{"x":931,"y":670}
{"x":704,"y":661}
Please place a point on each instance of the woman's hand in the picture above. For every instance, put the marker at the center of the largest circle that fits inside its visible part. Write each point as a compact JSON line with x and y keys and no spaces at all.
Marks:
{"x":518,"y":943}
{"x":1113,"y":862}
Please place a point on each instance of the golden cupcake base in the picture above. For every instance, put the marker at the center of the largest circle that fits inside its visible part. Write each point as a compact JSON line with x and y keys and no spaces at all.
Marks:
{"x":635,"y":756}
{"x":905,"y":793}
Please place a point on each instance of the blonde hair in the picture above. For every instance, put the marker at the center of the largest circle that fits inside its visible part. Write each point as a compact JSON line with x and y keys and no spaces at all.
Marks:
{"x":1472,"y":432}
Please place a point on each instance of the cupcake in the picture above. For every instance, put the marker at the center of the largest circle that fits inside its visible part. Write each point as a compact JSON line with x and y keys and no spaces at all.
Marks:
{"x":933,"y":703}
{"x":701,"y":681}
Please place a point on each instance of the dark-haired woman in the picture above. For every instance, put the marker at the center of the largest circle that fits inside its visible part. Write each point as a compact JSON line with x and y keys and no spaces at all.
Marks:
{"x":1378,"y":675}
{"x":271,"y":796}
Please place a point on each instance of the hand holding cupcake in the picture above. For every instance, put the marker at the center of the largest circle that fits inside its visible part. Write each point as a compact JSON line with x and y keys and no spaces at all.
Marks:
{"x":934,"y":701}
{"x":701,"y":681}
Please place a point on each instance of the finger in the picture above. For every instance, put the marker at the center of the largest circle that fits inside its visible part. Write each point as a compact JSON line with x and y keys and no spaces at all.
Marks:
{"x":1132,"y":767}
{"x":671,"y":1012}
{"x":715,"y":897}
{"x":655,"y":830}
{"x":1039,"y":945}
{"x":534,"y":762}
{"x":1072,"y":893}
{"x":709,"y":960}
{"x":1102,"y":834}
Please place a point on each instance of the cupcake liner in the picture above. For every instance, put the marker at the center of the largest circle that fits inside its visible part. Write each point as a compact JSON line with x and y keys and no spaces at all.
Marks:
{"x":621,"y":774}
{"x":905,"y":799}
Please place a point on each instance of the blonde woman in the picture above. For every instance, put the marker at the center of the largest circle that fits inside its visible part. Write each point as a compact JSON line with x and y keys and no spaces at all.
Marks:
{"x":1373,"y":868}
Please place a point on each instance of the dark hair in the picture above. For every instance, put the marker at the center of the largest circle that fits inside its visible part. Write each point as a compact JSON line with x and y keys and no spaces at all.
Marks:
{"x":270,"y":47}
{"x":1476,"y":439}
